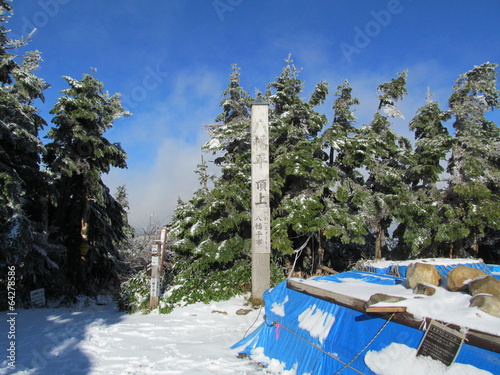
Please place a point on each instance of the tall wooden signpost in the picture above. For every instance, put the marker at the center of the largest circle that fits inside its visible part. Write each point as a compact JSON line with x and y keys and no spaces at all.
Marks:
{"x":157,"y":255}
{"x":261,"y":214}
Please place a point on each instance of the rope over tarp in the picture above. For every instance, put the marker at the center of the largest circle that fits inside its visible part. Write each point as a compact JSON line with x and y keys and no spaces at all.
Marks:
{"x":279,"y":325}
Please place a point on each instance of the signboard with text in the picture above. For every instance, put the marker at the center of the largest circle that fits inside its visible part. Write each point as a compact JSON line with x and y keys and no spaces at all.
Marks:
{"x":261,"y":213}
{"x":441,"y":343}
{"x":38,"y":297}
{"x":261,"y":216}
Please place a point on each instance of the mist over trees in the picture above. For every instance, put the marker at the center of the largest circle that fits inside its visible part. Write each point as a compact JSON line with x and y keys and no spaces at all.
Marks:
{"x":340,"y":191}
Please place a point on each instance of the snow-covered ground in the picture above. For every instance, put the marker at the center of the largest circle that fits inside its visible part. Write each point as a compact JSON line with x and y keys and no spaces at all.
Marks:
{"x":92,"y":340}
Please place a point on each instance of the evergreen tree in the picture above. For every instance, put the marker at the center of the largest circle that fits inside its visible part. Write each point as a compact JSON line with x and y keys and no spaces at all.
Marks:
{"x":341,"y":135}
{"x":230,"y":134}
{"x":121,"y":197}
{"x":298,"y":173}
{"x":387,"y":157}
{"x":418,"y":212}
{"x":23,"y":223}
{"x":472,"y":199}
{"x":343,"y":222}
{"x":78,"y":154}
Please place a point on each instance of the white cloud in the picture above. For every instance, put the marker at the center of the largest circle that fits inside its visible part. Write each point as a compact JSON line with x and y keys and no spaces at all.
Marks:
{"x":163,"y":142}
{"x":153,"y":190}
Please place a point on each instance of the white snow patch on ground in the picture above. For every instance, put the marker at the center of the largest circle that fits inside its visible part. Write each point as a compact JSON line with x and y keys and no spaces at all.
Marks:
{"x":383,"y":363}
{"x":317,"y":322}
{"x":99,"y":340}
{"x":272,"y":365}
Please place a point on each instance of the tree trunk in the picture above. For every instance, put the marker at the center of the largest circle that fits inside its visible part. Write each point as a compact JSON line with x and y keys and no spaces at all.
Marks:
{"x":378,"y":243}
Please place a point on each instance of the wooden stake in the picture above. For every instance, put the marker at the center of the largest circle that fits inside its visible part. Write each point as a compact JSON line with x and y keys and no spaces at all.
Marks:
{"x":155,"y":275}
{"x":157,"y":256}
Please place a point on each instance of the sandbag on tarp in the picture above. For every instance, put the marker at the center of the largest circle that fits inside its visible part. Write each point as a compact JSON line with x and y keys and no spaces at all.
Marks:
{"x":308,"y":335}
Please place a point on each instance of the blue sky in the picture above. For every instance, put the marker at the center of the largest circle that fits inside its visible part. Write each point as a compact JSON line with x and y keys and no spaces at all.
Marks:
{"x":171,"y":61}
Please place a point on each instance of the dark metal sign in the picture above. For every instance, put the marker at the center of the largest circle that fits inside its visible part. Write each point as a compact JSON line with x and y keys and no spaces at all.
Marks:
{"x":441,"y":343}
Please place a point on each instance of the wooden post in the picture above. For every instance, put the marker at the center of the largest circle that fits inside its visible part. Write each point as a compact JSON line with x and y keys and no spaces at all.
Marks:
{"x":163,"y":240}
{"x":155,"y":275}
{"x":157,"y":256}
{"x":261,"y":216}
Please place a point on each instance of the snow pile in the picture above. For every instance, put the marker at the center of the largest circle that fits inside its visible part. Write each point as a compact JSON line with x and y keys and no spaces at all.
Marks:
{"x":382,"y":363}
{"x":272,"y":365}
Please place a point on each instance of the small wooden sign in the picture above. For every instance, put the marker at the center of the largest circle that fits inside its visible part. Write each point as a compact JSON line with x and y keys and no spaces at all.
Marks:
{"x":104,"y":299}
{"x":441,"y":343}
{"x":155,"y":249}
{"x":38,"y":297}
{"x":155,"y":287}
{"x":155,"y":261}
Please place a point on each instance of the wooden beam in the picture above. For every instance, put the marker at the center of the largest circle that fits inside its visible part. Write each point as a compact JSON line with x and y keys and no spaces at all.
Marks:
{"x":385,"y":309}
{"x":337,"y":298}
{"x":328,"y":269}
{"x":473,"y":337}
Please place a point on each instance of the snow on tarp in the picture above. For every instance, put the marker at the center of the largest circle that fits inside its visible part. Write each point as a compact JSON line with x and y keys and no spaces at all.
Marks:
{"x":443,"y":265}
{"x":303,"y":334}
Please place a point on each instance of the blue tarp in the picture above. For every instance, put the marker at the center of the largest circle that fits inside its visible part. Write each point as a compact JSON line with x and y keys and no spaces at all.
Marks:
{"x":400,"y":269}
{"x":494,"y":268}
{"x":314,"y":336}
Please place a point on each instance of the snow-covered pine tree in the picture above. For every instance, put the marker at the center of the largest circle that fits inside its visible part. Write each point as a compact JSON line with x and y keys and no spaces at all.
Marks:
{"x":298,"y":172}
{"x":343,"y":223}
{"x":387,"y":158}
{"x":472,"y":199}
{"x":23,"y":187}
{"x":418,"y":212}
{"x":78,"y":154}
{"x":338,"y":137}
